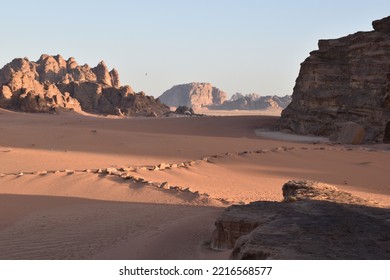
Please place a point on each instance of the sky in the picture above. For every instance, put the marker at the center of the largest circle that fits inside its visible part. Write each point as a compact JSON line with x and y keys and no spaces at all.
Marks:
{"x":238,"y":45}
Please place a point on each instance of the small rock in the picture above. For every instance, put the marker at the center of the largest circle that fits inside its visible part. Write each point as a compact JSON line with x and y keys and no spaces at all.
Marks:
{"x":142,"y":168}
{"x":126,"y":176}
{"x":152,"y":115}
{"x":163,"y":166}
{"x":128,"y":169}
{"x":111,"y":171}
{"x":138,"y":179}
{"x":69,"y":172}
{"x":165,"y":185}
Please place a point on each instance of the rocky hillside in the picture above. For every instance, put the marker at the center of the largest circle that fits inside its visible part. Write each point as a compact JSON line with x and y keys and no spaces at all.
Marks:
{"x":254,"y":101}
{"x":193,"y":95}
{"x":343,"y":88}
{"x":52,"y":83}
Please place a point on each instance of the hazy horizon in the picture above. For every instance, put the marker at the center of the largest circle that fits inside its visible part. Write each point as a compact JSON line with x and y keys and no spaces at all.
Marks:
{"x":238,"y":46}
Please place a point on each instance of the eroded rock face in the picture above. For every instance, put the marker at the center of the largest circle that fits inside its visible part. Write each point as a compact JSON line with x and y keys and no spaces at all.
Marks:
{"x":51,"y":84}
{"x":315,"y":221}
{"x":345,"y":80}
{"x":193,"y":95}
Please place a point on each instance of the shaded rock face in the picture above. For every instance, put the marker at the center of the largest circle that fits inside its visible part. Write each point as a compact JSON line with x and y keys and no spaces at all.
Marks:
{"x":193,"y":95}
{"x":345,"y":80}
{"x":315,"y":221}
{"x":51,"y":84}
{"x":254,"y":102}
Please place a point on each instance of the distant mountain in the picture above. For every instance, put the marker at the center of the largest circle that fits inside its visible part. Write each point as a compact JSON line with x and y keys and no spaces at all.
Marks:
{"x":254,"y":101}
{"x":193,"y":95}
{"x":52,"y":83}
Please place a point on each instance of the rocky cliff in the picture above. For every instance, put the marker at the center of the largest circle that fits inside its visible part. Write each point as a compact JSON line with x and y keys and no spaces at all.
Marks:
{"x":343,"y":88}
{"x":254,"y":102}
{"x":193,"y":95}
{"x":315,"y":221}
{"x":52,"y":83}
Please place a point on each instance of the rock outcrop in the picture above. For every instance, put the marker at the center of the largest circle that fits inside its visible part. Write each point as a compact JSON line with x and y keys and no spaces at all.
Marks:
{"x":254,"y":102}
{"x":52,"y":84}
{"x":345,"y":80}
{"x":315,"y":221}
{"x":194,"y":95}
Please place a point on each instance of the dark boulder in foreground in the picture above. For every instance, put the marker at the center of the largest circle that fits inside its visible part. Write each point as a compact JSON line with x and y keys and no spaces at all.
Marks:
{"x":315,"y":221}
{"x":52,"y":83}
{"x":346,"y":80}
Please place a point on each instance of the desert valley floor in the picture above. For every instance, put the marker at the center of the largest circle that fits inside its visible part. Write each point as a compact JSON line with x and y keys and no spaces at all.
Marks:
{"x":85,"y":187}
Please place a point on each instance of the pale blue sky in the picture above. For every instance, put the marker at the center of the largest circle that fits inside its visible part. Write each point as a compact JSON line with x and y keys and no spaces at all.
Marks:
{"x":239,"y":46}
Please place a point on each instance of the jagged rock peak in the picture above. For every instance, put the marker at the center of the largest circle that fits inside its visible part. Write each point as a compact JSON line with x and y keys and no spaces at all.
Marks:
{"x":56,"y":69}
{"x":193,"y":95}
{"x":382,"y":25}
{"x":102,"y":74}
{"x":343,"y":88}
{"x":115,"y":78}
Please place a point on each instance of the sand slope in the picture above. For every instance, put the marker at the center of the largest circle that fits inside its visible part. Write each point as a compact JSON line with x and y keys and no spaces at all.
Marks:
{"x":56,"y":204}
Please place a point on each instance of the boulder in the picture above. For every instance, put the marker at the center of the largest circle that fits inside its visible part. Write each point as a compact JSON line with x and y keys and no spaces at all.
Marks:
{"x":315,"y":221}
{"x":351,"y":133}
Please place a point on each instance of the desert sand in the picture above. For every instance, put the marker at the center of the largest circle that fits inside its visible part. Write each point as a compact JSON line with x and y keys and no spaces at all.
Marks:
{"x":58,"y":200}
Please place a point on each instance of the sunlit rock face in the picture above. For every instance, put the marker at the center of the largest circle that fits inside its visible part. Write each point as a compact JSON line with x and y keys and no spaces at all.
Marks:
{"x":193,"y":95}
{"x":52,"y":84}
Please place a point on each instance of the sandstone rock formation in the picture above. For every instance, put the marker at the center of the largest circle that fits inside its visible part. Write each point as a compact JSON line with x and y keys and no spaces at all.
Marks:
{"x":254,"y":102}
{"x":193,"y":95}
{"x":51,"y":84}
{"x":345,"y":80}
{"x":315,"y":221}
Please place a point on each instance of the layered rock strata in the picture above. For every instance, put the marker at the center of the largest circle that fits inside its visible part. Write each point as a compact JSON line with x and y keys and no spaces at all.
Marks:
{"x":345,"y":80}
{"x":52,"y":83}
